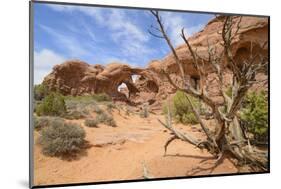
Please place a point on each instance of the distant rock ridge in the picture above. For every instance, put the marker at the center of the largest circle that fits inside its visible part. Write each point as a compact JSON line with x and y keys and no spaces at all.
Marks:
{"x":75,"y":77}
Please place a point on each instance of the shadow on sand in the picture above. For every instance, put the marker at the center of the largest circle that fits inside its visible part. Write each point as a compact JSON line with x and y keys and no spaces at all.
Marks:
{"x":207,"y":163}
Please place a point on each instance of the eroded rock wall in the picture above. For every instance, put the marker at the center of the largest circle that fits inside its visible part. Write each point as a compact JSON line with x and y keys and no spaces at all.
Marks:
{"x":75,"y":77}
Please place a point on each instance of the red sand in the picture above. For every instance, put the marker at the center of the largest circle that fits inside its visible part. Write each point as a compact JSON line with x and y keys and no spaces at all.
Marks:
{"x":118,"y":153}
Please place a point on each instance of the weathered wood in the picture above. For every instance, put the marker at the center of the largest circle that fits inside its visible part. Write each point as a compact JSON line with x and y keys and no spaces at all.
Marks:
{"x":230,"y":135}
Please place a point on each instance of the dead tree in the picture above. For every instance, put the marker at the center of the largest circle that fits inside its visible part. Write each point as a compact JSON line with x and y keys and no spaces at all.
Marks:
{"x":228,"y":138}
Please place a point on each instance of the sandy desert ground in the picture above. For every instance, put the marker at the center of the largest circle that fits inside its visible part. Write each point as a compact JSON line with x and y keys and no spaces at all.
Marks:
{"x":125,"y":152}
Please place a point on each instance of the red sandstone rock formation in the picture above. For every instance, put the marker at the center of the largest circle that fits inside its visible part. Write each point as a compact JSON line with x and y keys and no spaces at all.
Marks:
{"x":78,"y":78}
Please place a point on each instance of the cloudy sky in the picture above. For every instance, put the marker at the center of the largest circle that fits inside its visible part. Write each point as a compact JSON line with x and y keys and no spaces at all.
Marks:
{"x":103,"y":35}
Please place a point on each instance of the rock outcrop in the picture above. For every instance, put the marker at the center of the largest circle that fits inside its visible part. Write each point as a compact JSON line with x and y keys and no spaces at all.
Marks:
{"x":75,"y":77}
{"x":78,"y":78}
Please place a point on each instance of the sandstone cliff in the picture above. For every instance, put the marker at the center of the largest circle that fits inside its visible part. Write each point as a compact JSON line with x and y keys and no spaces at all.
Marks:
{"x":75,"y":77}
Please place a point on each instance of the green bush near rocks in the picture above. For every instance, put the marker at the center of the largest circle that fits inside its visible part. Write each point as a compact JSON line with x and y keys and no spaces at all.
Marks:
{"x":52,"y":105}
{"x":40,"y":91}
{"x":254,"y":115}
{"x":181,"y":109}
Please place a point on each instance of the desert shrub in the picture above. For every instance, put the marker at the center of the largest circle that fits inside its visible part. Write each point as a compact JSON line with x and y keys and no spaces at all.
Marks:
{"x":101,"y":117}
{"x":91,"y":122}
{"x":61,"y":138}
{"x":128,"y":110}
{"x":70,"y":104}
{"x":44,"y":121}
{"x":75,"y":114}
{"x":110,"y":106}
{"x":36,"y":103}
{"x":40,"y":91}
{"x":144,"y":111}
{"x":83,"y":104}
{"x":52,"y":105}
{"x":189,"y":117}
{"x":85,"y":99}
{"x":98,"y":110}
{"x":101,"y":97}
{"x":181,"y":109}
{"x":106,"y":119}
{"x":79,"y":102}
{"x":41,"y":122}
{"x":254,"y":115}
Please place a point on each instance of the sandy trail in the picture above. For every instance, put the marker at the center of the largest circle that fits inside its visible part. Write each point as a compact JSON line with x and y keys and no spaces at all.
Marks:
{"x":118,"y":153}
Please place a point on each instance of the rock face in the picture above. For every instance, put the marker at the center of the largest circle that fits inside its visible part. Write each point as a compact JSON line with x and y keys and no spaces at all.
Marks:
{"x":253,"y":33}
{"x":78,"y":78}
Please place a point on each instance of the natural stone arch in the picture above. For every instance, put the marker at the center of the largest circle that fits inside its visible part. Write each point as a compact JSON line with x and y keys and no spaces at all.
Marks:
{"x":123,"y":88}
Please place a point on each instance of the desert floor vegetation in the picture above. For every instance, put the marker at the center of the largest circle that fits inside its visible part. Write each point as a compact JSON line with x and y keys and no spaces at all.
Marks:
{"x":107,"y":135}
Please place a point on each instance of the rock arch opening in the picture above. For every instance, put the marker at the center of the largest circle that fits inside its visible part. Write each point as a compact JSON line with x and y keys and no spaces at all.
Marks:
{"x":123,"y":88}
{"x":135,"y":77}
{"x":137,"y":88}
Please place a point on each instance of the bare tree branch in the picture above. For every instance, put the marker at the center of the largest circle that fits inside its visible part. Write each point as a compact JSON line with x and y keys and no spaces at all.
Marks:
{"x":202,"y":124}
{"x":180,"y":135}
{"x":243,"y":77}
{"x":161,"y":28}
{"x":155,"y":35}
{"x":168,"y":142}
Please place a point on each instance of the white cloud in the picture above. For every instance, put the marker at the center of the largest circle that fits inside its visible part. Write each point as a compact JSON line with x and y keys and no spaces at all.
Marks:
{"x":114,"y":19}
{"x":70,"y":44}
{"x":194,"y":29}
{"x":123,"y":31}
{"x":132,"y":41}
{"x":174,"y":24}
{"x":109,"y":59}
{"x":89,"y":32}
{"x":123,"y":27}
{"x":44,"y":61}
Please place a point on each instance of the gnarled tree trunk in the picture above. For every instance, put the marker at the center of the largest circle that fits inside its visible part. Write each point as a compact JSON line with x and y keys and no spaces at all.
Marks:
{"x":229,"y":136}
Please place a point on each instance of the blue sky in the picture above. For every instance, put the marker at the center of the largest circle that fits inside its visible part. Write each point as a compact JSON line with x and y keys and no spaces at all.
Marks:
{"x":103,"y":35}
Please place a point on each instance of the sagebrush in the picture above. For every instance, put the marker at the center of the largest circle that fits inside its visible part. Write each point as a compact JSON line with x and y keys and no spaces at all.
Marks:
{"x":91,"y":122}
{"x":41,"y":122}
{"x":61,"y":138}
{"x":106,"y":119}
{"x":75,"y":114}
